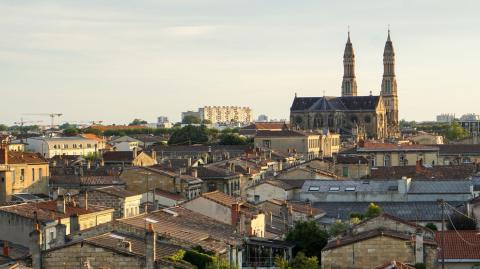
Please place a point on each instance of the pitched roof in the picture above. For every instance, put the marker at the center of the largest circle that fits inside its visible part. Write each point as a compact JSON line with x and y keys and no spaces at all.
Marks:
{"x":118,"y":156}
{"x":116,"y":191}
{"x":435,"y":172}
{"x":328,"y":103}
{"x":300,"y":207}
{"x":350,"y":239}
{"x":459,"y":149}
{"x":18,"y":157}
{"x":460,"y":245}
{"x":47,"y":211}
{"x":373,"y":147}
{"x":214,"y":172}
{"x":221,"y":198}
{"x":266,"y":126}
{"x":169,"y":195}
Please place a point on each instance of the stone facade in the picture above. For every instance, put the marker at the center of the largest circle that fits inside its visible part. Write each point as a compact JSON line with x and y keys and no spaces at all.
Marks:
{"x":372,"y":252}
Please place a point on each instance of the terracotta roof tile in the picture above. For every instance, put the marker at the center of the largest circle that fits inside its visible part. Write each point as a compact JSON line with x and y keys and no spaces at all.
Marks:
{"x":18,"y":157}
{"x":460,"y":245}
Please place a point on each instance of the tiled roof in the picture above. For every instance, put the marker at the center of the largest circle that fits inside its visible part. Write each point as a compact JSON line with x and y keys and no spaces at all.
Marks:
{"x":350,"y":185}
{"x":344,"y":159}
{"x":86,"y":180}
{"x":280,"y":184}
{"x":202,"y":148}
{"x":266,"y":126}
{"x":350,"y":239}
{"x":47,"y":211}
{"x":221,"y":198}
{"x":189,"y":228}
{"x":116,"y":127}
{"x":116,"y":191}
{"x":372,"y":147}
{"x":460,"y":245}
{"x":409,"y":211}
{"x":172,"y":196}
{"x":435,"y":172}
{"x":440,"y":186}
{"x":213,"y":172}
{"x":93,"y":137}
{"x":282,"y":133}
{"x":459,"y":149}
{"x":18,"y":157}
{"x":300,"y":207}
{"x":118,"y":156}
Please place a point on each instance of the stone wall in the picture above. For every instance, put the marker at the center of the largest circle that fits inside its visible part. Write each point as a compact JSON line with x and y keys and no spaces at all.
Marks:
{"x":375,"y":251}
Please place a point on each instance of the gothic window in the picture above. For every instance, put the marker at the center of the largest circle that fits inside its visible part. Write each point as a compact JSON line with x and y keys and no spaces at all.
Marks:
{"x":388,"y":87}
{"x":298,"y":120}
{"x":330,"y":120}
{"x":348,"y":87}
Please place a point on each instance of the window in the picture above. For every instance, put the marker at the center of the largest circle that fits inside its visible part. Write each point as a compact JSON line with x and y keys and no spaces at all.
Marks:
{"x":74,"y":146}
{"x":22,"y":174}
{"x":314,"y":189}
{"x":345,"y":171}
{"x":267,"y":143}
{"x":33,"y":174}
{"x":367,"y":119}
{"x":257,"y":198}
{"x":65,"y":146}
{"x":334,"y":189}
{"x":40,"y":173}
{"x":350,"y":189}
{"x":89,"y":146}
{"x":386,"y":160}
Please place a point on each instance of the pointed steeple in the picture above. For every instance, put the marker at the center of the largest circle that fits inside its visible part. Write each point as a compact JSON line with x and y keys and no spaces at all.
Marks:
{"x":349,"y":83}
{"x":389,"y":87}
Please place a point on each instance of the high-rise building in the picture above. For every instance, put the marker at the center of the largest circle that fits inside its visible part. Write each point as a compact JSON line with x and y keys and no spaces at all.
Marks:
{"x":225,"y":114}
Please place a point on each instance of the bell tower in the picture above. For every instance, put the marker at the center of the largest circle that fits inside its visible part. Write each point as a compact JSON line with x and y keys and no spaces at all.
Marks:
{"x":349,"y":83}
{"x":389,"y":89}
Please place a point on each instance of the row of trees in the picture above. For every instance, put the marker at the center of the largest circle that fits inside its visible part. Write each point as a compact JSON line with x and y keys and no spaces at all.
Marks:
{"x":453,"y":131}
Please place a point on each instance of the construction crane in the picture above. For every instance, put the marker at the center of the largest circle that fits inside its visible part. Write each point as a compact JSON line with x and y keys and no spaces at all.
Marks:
{"x":21,"y":123}
{"x":51,"y":115}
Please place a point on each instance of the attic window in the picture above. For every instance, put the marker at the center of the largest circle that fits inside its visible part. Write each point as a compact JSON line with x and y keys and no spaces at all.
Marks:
{"x":314,"y":189}
{"x":334,"y":189}
{"x":350,"y":188}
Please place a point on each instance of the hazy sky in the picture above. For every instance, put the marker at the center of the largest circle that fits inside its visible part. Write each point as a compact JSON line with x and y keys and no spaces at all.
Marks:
{"x":118,"y":60}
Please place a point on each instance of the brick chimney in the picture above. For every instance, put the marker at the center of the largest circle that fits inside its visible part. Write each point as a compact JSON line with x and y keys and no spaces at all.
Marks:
{"x":235,"y":213}
{"x":6,"y":249}
{"x":361,"y":143}
{"x":419,"y":166}
{"x":419,"y":251}
{"x":61,"y":206}
{"x":35,"y":247}
{"x":150,"y":255}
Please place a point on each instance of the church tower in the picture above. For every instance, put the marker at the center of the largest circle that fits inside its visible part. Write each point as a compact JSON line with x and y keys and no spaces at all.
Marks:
{"x":389,"y":88}
{"x":349,"y":83}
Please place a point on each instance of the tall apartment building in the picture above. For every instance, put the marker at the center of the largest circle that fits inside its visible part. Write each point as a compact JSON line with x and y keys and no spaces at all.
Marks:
{"x":223,"y":114}
{"x":445,"y":118}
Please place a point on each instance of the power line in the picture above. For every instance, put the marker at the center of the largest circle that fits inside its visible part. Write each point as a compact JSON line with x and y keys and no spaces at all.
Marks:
{"x":456,"y":231}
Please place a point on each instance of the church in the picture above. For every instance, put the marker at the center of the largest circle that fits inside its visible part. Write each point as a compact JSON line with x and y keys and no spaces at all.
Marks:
{"x":371,"y":116}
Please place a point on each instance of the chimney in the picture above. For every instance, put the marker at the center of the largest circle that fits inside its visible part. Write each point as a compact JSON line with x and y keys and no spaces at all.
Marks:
{"x":189,"y":162}
{"x":235,"y":213}
{"x":419,"y":247}
{"x":419,"y":166}
{"x":5,"y":154}
{"x":151,"y":247}
{"x":74,"y":224}
{"x":135,"y":152}
{"x":61,"y":204}
{"x":6,"y":249}
{"x":83,"y":199}
{"x":154,"y":155}
{"x":61,"y":230}
{"x":194,"y":172}
{"x":35,"y":247}
{"x":361,"y":143}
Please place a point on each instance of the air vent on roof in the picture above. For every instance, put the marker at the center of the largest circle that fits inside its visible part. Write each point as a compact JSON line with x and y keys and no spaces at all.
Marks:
{"x":314,"y":189}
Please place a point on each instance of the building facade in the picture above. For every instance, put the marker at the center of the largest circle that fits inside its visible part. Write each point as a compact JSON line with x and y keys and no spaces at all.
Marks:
{"x":52,"y":146}
{"x":367,"y":116}
{"x":225,"y":114}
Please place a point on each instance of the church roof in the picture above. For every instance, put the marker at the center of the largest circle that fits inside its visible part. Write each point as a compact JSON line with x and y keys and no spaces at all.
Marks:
{"x":328,"y":103}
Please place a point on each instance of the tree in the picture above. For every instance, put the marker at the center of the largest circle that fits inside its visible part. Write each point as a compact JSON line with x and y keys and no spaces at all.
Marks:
{"x":190,"y":119}
{"x":189,"y":135}
{"x":338,"y":228}
{"x":92,"y":131}
{"x":221,"y":264}
{"x":460,"y":221}
{"x":206,"y":122}
{"x":3,"y":127}
{"x":373,"y":210}
{"x":456,"y":132}
{"x":308,"y":238}
{"x":232,"y":139}
{"x":71,"y":131}
{"x":281,"y":263}
{"x":136,"y":122}
{"x":420,"y":266}
{"x":303,"y":262}
{"x":431,"y":226}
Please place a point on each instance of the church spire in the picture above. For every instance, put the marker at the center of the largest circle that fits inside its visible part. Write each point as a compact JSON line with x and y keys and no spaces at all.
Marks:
{"x":389,"y":87}
{"x":349,"y":83}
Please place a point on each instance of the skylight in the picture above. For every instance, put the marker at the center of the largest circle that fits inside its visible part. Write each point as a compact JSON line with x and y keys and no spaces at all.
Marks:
{"x":334,"y":189}
{"x":314,"y":189}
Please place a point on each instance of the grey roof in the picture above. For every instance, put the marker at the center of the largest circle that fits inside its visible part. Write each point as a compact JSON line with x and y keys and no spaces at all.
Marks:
{"x":409,"y":211}
{"x":328,"y":103}
{"x":359,"y":185}
{"x":439,"y":186}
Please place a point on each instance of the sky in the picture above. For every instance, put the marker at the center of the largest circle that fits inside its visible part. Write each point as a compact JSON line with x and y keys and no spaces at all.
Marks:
{"x":119,"y":60}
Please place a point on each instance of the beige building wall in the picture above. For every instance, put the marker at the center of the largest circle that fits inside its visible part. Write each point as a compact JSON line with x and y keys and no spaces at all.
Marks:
{"x":23,"y":178}
{"x":373,"y":252}
{"x":266,"y":192}
{"x":223,"y":114}
{"x":394,"y":158}
{"x":210,"y":209}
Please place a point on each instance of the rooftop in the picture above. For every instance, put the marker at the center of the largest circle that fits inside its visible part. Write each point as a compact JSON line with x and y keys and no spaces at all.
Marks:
{"x":18,"y":157}
{"x":459,"y":149}
{"x":373,"y":147}
{"x":435,"y":172}
{"x":116,"y":191}
{"x":460,"y":245}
